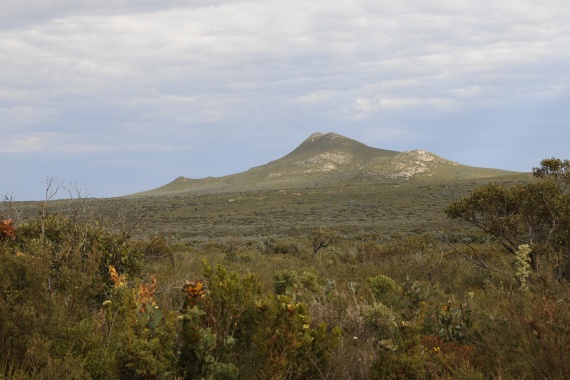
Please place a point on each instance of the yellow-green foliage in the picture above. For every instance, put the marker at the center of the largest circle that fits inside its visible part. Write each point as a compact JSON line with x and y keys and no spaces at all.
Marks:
{"x":284,"y":280}
{"x":81,"y":301}
{"x":381,"y":285}
{"x":522,"y":265}
{"x":55,"y":279}
{"x":380,"y":318}
{"x":143,"y":338}
{"x":287,"y":342}
{"x":230,"y":327}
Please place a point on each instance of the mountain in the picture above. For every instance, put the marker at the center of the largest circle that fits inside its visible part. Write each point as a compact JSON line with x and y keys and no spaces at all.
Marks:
{"x":331,"y":159}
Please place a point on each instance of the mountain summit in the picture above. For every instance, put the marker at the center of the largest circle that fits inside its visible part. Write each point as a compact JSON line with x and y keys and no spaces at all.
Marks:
{"x":324,"y":153}
{"x":321,"y":144}
{"x":329,"y":158}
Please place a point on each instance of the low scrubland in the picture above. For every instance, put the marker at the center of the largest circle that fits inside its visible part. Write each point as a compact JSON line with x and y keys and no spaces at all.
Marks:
{"x":82,"y":298}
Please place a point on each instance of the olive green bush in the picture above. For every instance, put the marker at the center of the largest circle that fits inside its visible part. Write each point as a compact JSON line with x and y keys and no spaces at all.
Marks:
{"x":85,"y":300}
{"x":284,"y":280}
{"x":56,"y":280}
{"x":380,"y":319}
{"x":381,"y":286}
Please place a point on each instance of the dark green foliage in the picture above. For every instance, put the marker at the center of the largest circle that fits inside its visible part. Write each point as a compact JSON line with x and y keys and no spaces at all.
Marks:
{"x":284,"y":280}
{"x":536,"y":213}
{"x":230,"y":307}
{"x":556,"y":170}
{"x":323,"y":237}
{"x":452,"y":322}
{"x":270,"y":245}
{"x":380,"y":319}
{"x":198,"y":345}
{"x":80,"y":301}
{"x":144,"y":340}
{"x":431,"y":341}
{"x":286,"y":342}
{"x":414,"y":299}
{"x":234,"y":326}
{"x":514,"y":215}
{"x":55,"y":278}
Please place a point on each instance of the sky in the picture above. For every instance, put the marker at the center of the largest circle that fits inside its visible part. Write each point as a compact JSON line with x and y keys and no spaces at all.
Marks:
{"x":125,"y":96}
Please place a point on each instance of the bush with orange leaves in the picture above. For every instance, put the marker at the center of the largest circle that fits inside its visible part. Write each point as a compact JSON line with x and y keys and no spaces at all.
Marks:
{"x":143,"y":336}
{"x":7,"y":230}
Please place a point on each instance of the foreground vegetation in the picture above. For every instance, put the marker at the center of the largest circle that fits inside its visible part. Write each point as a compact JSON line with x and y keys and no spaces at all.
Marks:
{"x":82,"y":298}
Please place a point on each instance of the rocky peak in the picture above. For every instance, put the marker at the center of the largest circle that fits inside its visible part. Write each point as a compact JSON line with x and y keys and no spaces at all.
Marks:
{"x":329,"y":137}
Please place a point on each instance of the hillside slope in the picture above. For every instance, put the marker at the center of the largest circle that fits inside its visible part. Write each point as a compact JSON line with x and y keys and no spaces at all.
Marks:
{"x":332,"y":159}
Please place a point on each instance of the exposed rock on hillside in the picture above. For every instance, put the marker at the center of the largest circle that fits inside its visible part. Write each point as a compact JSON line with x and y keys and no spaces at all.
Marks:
{"x":329,"y":158}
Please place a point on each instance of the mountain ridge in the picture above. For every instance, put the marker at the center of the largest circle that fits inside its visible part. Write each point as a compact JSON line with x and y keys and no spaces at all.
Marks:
{"x":329,"y":158}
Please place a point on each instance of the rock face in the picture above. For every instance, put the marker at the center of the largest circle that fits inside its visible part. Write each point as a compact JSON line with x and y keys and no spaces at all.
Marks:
{"x":417,"y":162}
{"x":325,"y":153}
{"x":330,"y":158}
{"x":332,"y":153}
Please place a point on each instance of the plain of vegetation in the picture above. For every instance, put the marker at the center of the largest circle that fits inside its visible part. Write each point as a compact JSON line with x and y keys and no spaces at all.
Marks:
{"x":457,"y":279}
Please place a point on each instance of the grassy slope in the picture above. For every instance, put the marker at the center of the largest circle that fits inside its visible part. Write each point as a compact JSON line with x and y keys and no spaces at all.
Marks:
{"x":373,"y":208}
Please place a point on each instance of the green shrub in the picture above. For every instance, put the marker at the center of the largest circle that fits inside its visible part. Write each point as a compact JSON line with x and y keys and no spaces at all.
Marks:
{"x":452,"y":322}
{"x":218,"y":322}
{"x":272,"y":246}
{"x":144,"y":339}
{"x":381,"y":286}
{"x":55,"y":278}
{"x":284,"y":280}
{"x":380,"y":319}
{"x":310,"y":282}
{"x":198,"y":345}
{"x":286,"y":344}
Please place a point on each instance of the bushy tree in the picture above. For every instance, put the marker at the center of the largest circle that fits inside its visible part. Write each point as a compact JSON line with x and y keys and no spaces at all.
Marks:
{"x":323,"y":237}
{"x":555,"y":170}
{"x":536,"y":213}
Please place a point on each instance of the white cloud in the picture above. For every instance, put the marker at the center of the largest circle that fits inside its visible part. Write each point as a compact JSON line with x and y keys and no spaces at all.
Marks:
{"x":469,"y":91}
{"x":78,"y":68}
{"x":314,"y":98}
{"x":25,"y":144}
{"x":14,"y":143}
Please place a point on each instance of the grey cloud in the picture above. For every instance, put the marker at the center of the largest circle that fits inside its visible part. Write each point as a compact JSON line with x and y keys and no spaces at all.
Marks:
{"x":101,"y":77}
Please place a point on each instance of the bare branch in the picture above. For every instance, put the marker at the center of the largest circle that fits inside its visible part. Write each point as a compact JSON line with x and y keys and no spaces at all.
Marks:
{"x":9,"y":201}
{"x":475,"y":259}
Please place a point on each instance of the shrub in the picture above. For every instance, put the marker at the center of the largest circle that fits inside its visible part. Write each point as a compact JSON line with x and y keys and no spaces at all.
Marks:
{"x":310,"y":282}
{"x":158,"y":248}
{"x":284,"y":280}
{"x":285,"y":342}
{"x":368,"y":251}
{"x":7,"y":230}
{"x":381,"y":286}
{"x":380,"y":319}
{"x":451,"y":322}
{"x":525,"y":333}
{"x":144,"y":339}
{"x":55,"y":276}
{"x":272,"y":246}
{"x":217,"y":322}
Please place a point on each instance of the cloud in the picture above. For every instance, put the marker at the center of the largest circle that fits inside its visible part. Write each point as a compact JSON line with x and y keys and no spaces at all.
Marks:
{"x":73,"y":143}
{"x":149,"y":77}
